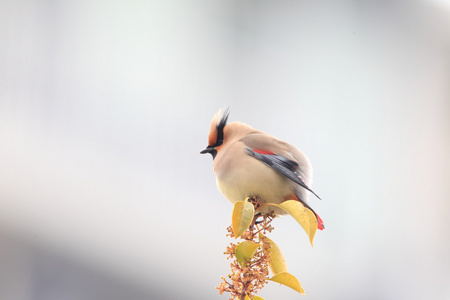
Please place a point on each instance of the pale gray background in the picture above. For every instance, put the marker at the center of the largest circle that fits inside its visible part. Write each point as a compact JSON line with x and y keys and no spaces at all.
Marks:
{"x":105,"y":105}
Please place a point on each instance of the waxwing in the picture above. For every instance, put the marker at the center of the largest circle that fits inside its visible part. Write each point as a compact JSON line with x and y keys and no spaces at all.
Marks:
{"x":248,"y":162}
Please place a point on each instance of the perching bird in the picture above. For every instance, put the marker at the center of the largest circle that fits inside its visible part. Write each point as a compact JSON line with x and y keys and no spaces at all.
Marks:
{"x":248,"y":162}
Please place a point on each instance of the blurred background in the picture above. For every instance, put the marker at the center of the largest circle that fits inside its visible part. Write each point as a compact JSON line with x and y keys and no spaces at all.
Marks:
{"x":105,"y":106}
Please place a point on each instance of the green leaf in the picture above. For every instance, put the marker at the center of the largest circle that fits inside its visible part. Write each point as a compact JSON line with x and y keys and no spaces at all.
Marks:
{"x":243,"y":213}
{"x":277,"y":262}
{"x":304,"y":216}
{"x":245,"y":251}
{"x":288,"y":280}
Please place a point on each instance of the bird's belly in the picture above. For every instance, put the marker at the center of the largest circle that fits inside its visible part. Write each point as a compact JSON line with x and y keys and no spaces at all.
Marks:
{"x":270,"y":186}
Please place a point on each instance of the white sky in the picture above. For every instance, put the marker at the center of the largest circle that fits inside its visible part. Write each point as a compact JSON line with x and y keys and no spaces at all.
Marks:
{"x":105,"y":105}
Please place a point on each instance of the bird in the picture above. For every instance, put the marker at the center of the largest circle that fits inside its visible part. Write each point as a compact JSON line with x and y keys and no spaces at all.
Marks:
{"x":248,"y":162}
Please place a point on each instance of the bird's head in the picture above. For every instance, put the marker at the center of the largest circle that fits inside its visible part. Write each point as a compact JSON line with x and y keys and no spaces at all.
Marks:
{"x":216,"y":132}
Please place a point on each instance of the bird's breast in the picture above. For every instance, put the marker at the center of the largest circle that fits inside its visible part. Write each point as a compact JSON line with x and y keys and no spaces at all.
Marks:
{"x":250,"y":177}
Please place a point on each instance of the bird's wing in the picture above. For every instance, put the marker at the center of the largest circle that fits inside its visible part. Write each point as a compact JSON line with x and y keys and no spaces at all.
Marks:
{"x":280,"y":156}
{"x":284,"y":159}
{"x":283,"y":165}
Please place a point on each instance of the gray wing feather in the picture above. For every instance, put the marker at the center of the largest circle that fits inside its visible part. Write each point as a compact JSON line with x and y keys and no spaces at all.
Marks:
{"x":282,"y":165}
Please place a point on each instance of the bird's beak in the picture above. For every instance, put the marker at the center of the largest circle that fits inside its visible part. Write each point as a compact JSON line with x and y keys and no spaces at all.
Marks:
{"x":208,"y":149}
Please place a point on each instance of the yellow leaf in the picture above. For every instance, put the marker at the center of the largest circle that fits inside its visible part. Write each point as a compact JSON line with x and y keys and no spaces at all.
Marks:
{"x":304,"y":216}
{"x":277,"y":262}
{"x":288,"y":280}
{"x":254,"y":298}
{"x":245,"y":251}
{"x":243,"y":213}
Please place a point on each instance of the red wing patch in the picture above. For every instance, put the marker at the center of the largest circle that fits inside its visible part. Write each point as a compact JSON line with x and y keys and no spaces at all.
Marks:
{"x":260,"y":151}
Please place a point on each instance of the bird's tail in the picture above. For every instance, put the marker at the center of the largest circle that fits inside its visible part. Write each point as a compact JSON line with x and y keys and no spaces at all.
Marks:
{"x":320,"y":224}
